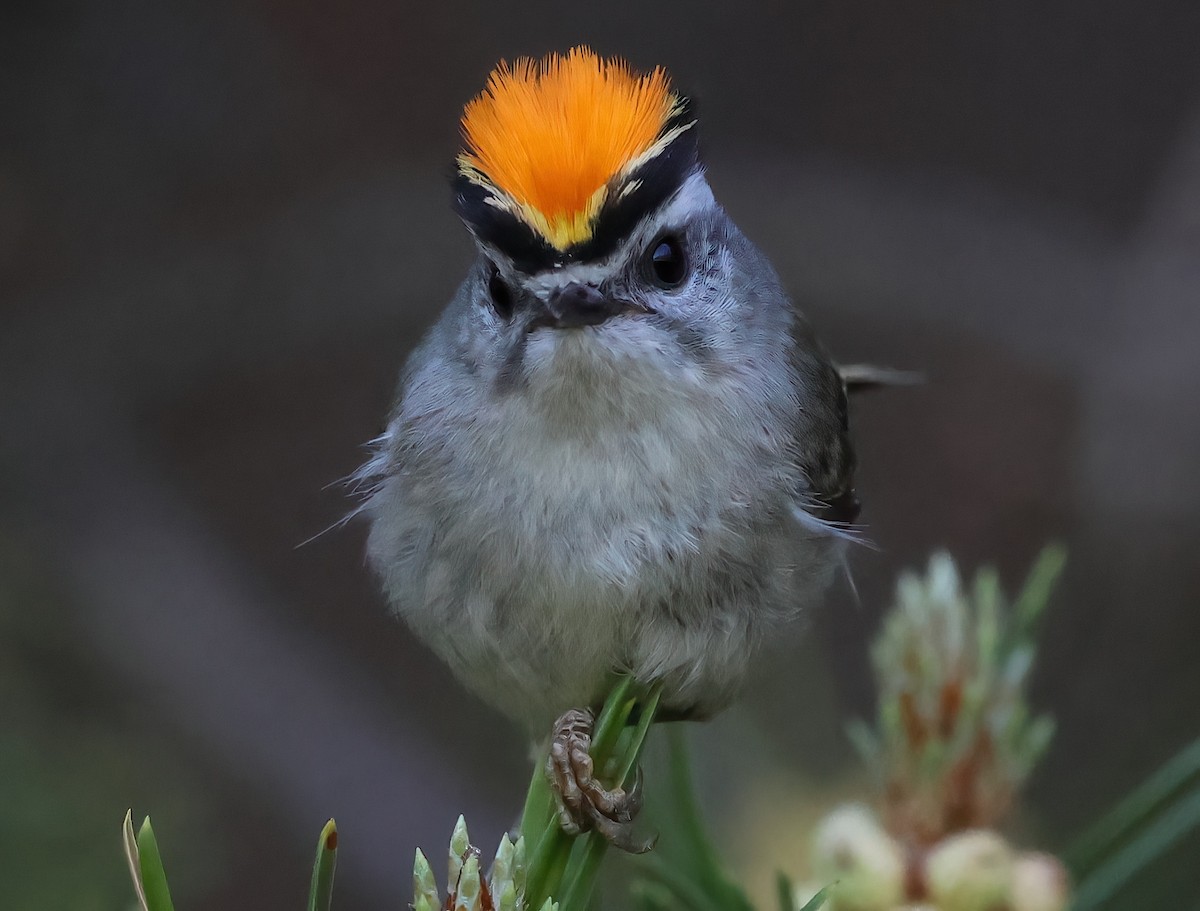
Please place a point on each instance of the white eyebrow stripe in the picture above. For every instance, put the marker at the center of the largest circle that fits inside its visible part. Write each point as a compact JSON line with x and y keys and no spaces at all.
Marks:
{"x":693,"y":196}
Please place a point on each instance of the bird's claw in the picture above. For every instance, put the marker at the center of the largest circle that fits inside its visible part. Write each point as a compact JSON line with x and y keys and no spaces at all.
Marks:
{"x":583,"y":802}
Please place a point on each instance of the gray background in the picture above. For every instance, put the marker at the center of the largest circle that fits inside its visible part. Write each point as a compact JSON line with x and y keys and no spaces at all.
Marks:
{"x":223,"y":224}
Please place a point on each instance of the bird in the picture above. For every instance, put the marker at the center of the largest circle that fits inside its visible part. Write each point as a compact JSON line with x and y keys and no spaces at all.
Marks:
{"x":621,"y":448}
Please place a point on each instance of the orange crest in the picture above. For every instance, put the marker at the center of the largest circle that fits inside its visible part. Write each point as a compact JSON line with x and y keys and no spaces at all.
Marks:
{"x":548,"y":137}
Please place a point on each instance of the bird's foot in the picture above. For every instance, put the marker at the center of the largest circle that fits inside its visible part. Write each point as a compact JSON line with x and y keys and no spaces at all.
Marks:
{"x":583,"y":802}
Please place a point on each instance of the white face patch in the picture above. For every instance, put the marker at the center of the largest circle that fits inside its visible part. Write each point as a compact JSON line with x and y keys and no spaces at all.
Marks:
{"x":616,"y":366}
{"x":692,"y":197}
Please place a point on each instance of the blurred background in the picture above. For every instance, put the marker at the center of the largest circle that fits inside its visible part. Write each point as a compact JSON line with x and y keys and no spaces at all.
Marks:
{"x":224,"y":224}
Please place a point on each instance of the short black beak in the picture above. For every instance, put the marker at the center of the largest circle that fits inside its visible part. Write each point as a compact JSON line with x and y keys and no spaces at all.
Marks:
{"x":578,"y":304}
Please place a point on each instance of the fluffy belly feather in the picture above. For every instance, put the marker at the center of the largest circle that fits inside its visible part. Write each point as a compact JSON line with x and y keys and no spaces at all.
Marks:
{"x":643,"y":529}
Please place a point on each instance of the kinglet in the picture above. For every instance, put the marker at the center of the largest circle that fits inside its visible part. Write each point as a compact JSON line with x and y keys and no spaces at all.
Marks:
{"x":621,"y":448}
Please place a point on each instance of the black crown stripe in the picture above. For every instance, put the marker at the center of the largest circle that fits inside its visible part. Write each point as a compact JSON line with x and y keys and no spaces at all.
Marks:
{"x":654,"y":183}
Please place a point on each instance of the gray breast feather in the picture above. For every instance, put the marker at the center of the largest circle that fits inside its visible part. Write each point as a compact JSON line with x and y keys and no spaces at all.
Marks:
{"x":539,"y":541}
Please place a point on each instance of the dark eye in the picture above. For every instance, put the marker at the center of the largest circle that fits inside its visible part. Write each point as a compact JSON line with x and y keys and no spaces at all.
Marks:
{"x":666,"y":263}
{"x":501,"y":295}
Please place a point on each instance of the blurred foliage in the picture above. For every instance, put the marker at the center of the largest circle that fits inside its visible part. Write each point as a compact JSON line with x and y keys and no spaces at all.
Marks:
{"x":954,"y":741}
{"x":955,"y":738}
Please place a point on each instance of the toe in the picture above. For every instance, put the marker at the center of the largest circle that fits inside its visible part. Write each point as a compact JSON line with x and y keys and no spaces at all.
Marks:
{"x":583,"y":803}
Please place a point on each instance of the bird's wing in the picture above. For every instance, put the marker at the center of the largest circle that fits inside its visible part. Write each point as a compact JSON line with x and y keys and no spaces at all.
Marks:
{"x":824,"y":451}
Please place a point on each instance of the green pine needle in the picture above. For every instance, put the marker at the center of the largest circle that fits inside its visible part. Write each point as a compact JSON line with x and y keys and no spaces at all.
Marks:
{"x":817,"y":901}
{"x":1139,"y":853}
{"x":1035,"y":594}
{"x":320,"y":891}
{"x":582,"y":869}
{"x":1134,"y":818}
{"x":150,"y":867}
{"x":563,"y":866}
{"x":129,"y":840}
